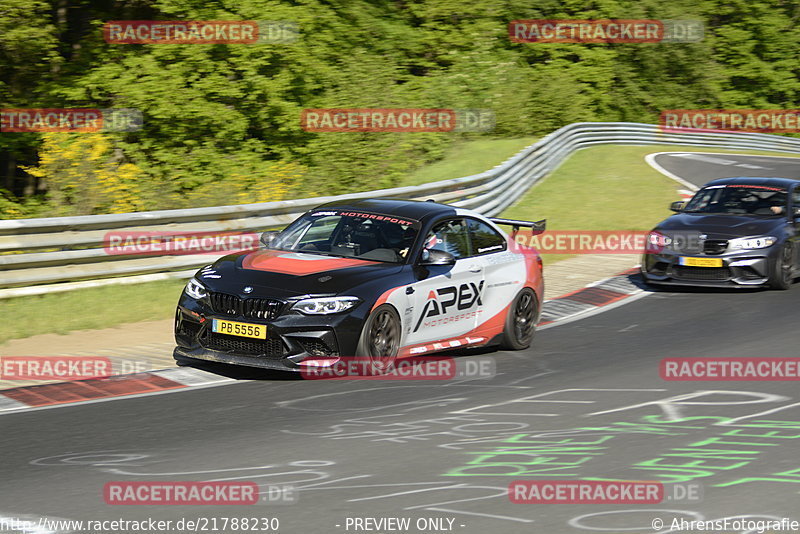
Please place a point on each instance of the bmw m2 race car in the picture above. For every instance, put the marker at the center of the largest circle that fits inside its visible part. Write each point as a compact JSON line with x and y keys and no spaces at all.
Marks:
{"x":378,"y":279}
{"x":737,"y":232}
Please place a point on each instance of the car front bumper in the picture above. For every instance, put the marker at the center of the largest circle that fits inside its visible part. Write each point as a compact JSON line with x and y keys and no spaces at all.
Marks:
{"x":741,"y":269}
{"x":292,"y":338}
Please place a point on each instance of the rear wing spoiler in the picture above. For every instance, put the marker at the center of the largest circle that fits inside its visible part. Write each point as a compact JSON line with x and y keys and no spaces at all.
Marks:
{"x":536,"y":227}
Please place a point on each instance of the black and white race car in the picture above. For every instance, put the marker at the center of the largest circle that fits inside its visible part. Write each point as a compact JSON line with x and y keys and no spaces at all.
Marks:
{"x":379,"y":279}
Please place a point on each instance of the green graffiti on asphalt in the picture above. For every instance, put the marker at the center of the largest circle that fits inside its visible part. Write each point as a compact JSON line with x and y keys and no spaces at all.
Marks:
{"x":545,"y":455}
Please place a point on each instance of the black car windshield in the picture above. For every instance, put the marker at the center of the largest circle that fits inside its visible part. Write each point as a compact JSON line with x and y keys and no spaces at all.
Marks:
{"x":354,"y":234}
{"x":739,"y":199}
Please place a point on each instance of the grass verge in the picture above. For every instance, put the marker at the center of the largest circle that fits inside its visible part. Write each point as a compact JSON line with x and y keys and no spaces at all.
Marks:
{"x":82,"y":309}
{"x":466,"y":158}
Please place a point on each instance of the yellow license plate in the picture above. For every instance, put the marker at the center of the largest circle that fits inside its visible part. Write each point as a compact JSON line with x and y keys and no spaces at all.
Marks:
{"x":701,"y":262}
{"x":232,"y":328}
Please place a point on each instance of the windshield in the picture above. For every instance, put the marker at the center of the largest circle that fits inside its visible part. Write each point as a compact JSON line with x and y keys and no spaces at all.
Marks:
{"x":352,"y":234}
{"x":739,"y":199}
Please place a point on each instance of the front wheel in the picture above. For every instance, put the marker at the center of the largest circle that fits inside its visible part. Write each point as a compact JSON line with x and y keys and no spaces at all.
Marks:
{"x":780,"y":276}
{"x":380,"y":338}
{"x":521,"y":321}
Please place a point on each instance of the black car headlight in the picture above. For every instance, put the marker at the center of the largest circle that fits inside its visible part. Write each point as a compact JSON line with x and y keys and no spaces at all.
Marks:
{"x":325,"y":305}
{"x":657,"y":239}
{"x":195,"y":289}
{"x":752,"y":243}
{"x":657,"y":242}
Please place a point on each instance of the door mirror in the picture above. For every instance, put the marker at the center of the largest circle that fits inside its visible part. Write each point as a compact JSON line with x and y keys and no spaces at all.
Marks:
{"x":796,"y":212}
{"x":677,"y":206}
{"x":436,"y":257}
{"x":268,"y":238}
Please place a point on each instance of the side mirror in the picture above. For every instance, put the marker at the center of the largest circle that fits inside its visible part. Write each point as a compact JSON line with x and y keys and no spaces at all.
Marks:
{"x":677,"y":206}
{"x":268,"y":238}
{"x":796,"y":212}
{"x":437,"y":257}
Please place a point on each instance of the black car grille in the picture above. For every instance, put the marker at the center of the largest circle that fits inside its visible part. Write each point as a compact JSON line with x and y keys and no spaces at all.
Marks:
{"x":269,"y":348}
{"x":749,"y":273}
{"x":189,"y":328}
{"x":319,"y":349}
{"x":252,"y":308}
{"x":701,"y":273}
{"x":659,"y":268}
{"x":715,"y":246}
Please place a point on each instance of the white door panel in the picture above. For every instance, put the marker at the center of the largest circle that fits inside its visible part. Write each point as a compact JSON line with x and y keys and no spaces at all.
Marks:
{"x":448,"y":305}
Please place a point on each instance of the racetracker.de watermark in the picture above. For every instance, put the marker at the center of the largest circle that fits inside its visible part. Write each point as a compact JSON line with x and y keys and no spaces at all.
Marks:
{"x":732,"y":120}
{"x":64,"y":368}
{"x":200,"y":32}
{"x":397,"y":120}
{"x":75,"y":120}
{"x":125,"y":243}
{"x":730,"y":369}
{"x":416,"y":368}
{"x":185,"y":493}
{"x":588,"y":242}
{"x":602,"y":492}
{"x":606,"y":31}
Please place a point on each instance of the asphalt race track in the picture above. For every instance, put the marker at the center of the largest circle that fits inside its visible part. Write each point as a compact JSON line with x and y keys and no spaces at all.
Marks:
{"x":586,"y":402}
{"x":699,"y":168}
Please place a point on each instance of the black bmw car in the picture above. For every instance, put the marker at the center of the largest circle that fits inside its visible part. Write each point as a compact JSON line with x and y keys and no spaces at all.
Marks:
{"x":379,"y":279}
{"x":736,"y":232}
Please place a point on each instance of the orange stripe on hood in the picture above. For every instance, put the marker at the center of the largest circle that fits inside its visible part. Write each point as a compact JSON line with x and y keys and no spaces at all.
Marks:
{"x":297,"y":263}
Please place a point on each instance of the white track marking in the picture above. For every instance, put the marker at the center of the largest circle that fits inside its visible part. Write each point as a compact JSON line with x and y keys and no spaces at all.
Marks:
{"x":651,"y":160}
{"x":10,"y":404}
{"x":699,"y":156}
{"x":748,"y":166}
{"x":597,"y":310}
{"x":191,"y":377}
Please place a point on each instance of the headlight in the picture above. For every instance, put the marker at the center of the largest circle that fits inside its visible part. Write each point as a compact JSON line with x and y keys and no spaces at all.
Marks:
{"x":750,"y":243}
{"x":195,"y":289}
{"x":657,"y":241}
{"x":325,"y":305}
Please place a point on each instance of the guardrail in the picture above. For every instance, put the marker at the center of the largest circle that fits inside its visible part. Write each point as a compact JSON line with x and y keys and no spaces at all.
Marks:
{"x":64,"y":253}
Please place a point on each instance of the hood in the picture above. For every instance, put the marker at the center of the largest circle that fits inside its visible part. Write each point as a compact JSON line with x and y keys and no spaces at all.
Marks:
{"x":721,"y":226}
{"x":283,"y":274}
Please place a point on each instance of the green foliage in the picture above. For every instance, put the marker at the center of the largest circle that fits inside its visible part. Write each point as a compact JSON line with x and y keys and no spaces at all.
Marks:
{"x":83,"y":177}
{"x":14,"y":208}
{"x":221,"y":121}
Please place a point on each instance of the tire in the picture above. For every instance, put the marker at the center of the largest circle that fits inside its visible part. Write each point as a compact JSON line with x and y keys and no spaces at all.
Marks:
{"x":380,"y":338}
{"x":521,"y":321}
{"x":780,"y":274}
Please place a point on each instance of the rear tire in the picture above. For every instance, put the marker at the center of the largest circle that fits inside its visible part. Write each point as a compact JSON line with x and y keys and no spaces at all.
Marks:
{"x":780,"y":276}
{"x":380,"y":338}
{"x":521,"y":321}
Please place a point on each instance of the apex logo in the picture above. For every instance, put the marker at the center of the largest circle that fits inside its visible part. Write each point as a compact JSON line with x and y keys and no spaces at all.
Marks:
{"x":462,"y":297}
